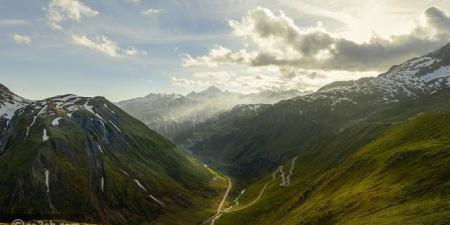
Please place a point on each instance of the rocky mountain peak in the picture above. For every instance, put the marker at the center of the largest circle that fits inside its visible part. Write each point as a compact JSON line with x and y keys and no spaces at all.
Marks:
{"x":443,"y":54}
{"x":212,"y":89}
{"x":7,"y":95}
{"x":3,"y":88}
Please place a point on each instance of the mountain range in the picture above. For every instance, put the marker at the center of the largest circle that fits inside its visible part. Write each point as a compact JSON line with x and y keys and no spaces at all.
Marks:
{"x":84,"y":159}
{"x":370,"y":151}
{"x":249,"y":145}
{"x":169,"y":114}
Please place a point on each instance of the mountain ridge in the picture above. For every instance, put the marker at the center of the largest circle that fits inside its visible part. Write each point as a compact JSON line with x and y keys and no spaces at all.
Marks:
{"x":261,"y":142}
{"x":119,"y":170}
{"x":170,"y":114}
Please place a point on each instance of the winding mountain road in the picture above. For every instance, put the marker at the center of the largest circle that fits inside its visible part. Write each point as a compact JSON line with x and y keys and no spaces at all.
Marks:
{"x":291,"y":170}
{"x":285,"y":181}
{"x":219,"y":208}
{"x":227,"y":192}
{"x":274,"y":177}
{"x":283,"y":177}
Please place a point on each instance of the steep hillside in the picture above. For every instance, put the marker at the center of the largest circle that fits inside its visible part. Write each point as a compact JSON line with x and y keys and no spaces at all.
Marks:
{"x":400,"y":177}
{"x":257,"y":146}
{"x":222,"y":124}
{"x":84,"y":159}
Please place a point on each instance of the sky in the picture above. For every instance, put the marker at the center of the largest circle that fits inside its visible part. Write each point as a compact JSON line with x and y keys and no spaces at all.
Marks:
{"x":122,"y":49}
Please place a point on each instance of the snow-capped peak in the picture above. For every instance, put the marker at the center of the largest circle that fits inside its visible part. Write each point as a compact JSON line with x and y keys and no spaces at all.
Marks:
{"x":416,"y":77}
{"x":10,"y":103}
{"x":423,"y":74}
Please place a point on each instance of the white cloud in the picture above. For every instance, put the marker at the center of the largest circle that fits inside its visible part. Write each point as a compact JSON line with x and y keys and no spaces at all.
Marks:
{"x":438,"y":19}
{"x":59,"y":11}
{"x":219,"y":55}
{"x":151,"y":11}
{"x":276,"y":40}
{"x":187,"y":83}
{"x":307,"y":58}
{"x":267,"y":79}
{"x":21,"y":39}
{"x":105,"y":46}
{"x":205,"y":79}
{"x":133,"y":51}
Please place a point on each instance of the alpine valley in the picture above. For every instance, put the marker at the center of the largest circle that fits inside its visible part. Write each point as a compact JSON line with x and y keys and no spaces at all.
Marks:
{"x":371,"y":151}
{"x":225,"y":112}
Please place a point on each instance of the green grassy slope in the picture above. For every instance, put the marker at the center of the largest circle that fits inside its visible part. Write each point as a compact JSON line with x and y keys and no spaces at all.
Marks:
{"x":93,"y":161}
{"x":250,"y":147}
{"x":400,"y":177}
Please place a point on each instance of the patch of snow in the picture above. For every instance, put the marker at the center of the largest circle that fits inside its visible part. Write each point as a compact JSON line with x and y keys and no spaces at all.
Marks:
{"x":155,"y":199}
{"x":124,"y":172}
{"x":408,"y":92}
{"x":106,"y":106}
{"x":34,"y":119}
{"x":47,"y":179}
{"x":72,"y":108}
{"x":8,"y":110}
{"x":145,"y":189}
{"x":102,"y":184}
{"x":100,"y":117}
{"x":55,"y":122}
{"x":442,"y":72}
{"x":88,"y":107}
{"x":45,"y":137}
{"x":65,"y":98}
{"x":115,"y":126}
{"x":421,"y":62}
{"x":100,"y":148}
{"x":140,"y":185}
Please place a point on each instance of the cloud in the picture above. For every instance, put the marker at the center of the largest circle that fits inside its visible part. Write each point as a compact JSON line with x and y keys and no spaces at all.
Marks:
{"x":438,"y":19}
{"x":21,"y":39}
{"x":187,"y":83}
{"x":105,"y":46}
{"x":204,"y":79}
{"x":306,"y":8}
{"x":133,"y":51}
{"x":267,"y":79}
{"x":219,"y":77}
{"x":59,"y":11}
{"x":277,"y":40}
{"x":151,"y":11}
{"x":220,"y":55}
{"x":13,"y":22}
{"x":291,"y":72}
